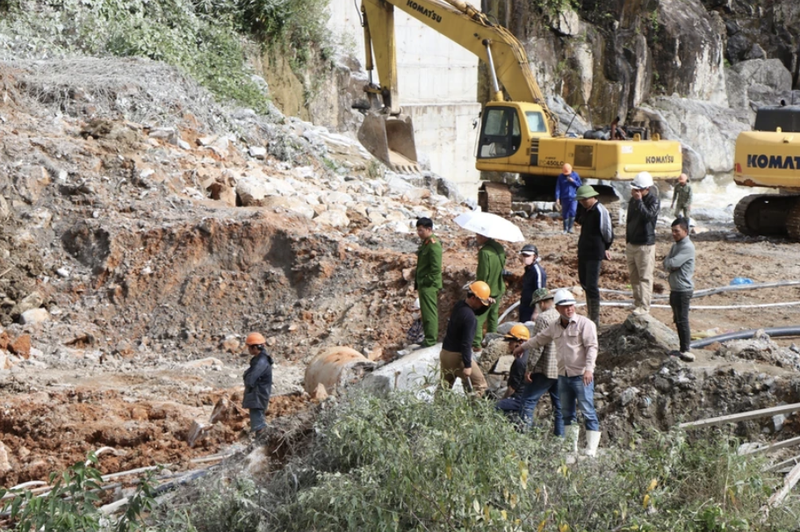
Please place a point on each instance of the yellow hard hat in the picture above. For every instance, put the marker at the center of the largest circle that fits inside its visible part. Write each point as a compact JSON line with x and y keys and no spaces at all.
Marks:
{"x":482,"y":291}
{"x":255,"y":339}
{"x":519,"y":332}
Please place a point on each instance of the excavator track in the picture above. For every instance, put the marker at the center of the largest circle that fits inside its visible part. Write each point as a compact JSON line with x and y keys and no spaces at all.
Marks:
{"x":769,"y":215}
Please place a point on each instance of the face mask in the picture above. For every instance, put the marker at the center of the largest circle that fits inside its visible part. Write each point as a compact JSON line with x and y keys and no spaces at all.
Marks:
{"x":483,"y":310}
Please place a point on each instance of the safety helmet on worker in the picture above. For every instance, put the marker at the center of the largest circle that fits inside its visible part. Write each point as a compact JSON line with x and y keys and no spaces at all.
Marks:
{"x":518,"y":332}
{"x":541,"y":294}
{"x":585,"y":192}
{"x":529,"y":249}
{"x":480,"y":290}
{"x":564,"y":297}
{"x":642,"y":181}
{"x":255,"y":338}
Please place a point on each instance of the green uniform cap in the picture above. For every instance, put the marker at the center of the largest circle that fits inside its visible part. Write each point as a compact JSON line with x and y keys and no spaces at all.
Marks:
{"x":585,"y":192}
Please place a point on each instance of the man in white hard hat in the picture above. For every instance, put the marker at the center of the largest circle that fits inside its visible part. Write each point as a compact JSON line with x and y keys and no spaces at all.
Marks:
{"x":640,"y":236}
{"x":575,"y":338}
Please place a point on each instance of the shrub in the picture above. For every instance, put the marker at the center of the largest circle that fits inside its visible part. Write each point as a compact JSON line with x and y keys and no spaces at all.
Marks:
{"x":400,"y":463}
{"x":72,"y":503}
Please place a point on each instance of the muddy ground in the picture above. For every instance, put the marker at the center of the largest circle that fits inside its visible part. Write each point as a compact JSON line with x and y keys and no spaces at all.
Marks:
{"x":150,"y":284}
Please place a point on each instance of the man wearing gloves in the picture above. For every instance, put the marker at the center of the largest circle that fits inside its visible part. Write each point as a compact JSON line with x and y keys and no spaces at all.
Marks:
{"x":680,"y":265}
{"x":257,"y":382}
{"x":575,"y":338}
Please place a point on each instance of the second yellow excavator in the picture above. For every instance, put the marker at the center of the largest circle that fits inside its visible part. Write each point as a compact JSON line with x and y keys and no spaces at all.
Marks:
{"x":769,"y":156}
{"x":517,"y":136}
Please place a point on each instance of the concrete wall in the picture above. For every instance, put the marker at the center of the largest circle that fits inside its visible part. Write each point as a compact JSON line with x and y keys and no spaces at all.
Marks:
{"x":438,"y":88}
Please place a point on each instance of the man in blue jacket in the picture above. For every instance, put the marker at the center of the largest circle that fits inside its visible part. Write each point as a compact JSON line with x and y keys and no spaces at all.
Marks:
{"x":566,"y":185}
{"x":257,"y":382}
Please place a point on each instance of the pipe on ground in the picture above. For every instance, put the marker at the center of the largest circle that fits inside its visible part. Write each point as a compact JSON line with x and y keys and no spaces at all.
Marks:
{"x":790,"y":330}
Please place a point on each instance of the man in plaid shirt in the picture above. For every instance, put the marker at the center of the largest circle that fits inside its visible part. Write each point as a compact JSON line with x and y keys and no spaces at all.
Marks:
{"x":542,"y":371}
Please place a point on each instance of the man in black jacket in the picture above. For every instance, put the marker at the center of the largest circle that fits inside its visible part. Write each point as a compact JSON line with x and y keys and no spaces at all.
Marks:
{"x":456,"y":358}
{"x":533,"y":279}
{"x":597,"y":234}
{"x":640,"y":236}
{"x":257,"y":382}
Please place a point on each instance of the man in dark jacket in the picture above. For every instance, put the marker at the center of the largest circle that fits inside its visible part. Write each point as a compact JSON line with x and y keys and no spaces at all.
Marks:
{"x":456,"y":357}
{"x":533,"y":279}
{"x":257,"y":382}
{"x":640,"y":236}
{"x":428,"y":280}
{"x":597,"y":234}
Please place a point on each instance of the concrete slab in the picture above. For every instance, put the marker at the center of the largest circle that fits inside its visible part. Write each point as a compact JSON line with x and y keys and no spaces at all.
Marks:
{"x":417,"y":371}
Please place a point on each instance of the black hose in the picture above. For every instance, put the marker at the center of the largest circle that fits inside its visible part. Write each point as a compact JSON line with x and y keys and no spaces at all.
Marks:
{"x":791,"y":330}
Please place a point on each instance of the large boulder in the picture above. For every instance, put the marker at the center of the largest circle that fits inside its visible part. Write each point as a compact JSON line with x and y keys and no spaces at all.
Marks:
{"x":639,"y":337}
{"x":769,"y":72}
{"x":336,"y":369}
{"x":711,"y":130}
{"x":687,"y":44}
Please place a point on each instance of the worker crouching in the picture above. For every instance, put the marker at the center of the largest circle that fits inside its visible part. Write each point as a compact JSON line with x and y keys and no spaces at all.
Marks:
{"x":257,"y":382}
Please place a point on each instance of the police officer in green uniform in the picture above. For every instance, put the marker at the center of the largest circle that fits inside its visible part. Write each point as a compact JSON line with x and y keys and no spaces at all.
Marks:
{"x":428,"y":280}
{"x":491,"y":263}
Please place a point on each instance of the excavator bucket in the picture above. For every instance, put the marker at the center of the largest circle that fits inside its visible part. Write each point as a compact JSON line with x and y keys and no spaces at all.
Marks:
{"x":390,"y":139}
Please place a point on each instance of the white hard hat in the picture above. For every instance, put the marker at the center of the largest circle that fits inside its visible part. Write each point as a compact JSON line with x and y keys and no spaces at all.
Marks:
{"x":642,"y":180}
{"x":564,"y":297}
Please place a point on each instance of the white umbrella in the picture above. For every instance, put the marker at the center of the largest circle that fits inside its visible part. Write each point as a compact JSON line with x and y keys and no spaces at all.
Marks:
{"x":490,"y":225}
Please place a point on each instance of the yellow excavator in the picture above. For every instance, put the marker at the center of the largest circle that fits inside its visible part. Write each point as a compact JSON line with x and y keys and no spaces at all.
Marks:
{"x":517,"y":136}
{"x":769,"y":156}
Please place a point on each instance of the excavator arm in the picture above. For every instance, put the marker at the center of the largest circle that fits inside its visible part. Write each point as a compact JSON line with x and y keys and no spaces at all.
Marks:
{"x":462,"y":24}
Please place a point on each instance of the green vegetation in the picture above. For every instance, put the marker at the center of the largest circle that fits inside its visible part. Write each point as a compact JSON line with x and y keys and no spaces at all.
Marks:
{"x":553,"y":8}
{"x":400,"y":463}
{"x":72,"y":503}
{"x":204,"y":38}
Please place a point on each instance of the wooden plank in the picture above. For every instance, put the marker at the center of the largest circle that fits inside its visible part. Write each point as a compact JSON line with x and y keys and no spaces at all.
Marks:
{"x":788,"y":483}
{"x":791,"y":462}
{"x":743,"y":416}
{"x":775,"y":446}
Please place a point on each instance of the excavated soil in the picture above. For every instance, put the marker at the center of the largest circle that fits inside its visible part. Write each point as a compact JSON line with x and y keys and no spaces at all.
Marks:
{"x":150,"y":287}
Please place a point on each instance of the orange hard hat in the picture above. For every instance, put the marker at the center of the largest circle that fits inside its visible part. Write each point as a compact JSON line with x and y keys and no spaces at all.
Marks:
{"x":255,"y":339}
{"x":519,"y":332}
{"x":482,"y":291}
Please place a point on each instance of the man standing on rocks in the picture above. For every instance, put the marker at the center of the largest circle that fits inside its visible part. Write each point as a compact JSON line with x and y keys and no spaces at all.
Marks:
{"x":257,"y":382}
{"x":680,"y":265}
{"x":533,"y":279}
{"x":491,"y":263}
{"x":456,"y":357}
{"x":566,"y":185}
{"x":640,"y":235}
{"x":428,"y":280}
{"x":597,"y":235}
{"x":541,"y":375}
{"x":682,"y":198}
{"x":575,"y":338}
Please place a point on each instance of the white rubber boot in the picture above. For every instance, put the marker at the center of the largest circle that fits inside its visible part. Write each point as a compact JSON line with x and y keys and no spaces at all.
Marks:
{"x":592,"y":442}
{"x":571,"y":433}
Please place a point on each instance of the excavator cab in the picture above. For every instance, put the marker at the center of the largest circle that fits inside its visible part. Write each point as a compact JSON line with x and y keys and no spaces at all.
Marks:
{"x":504,"y":130}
